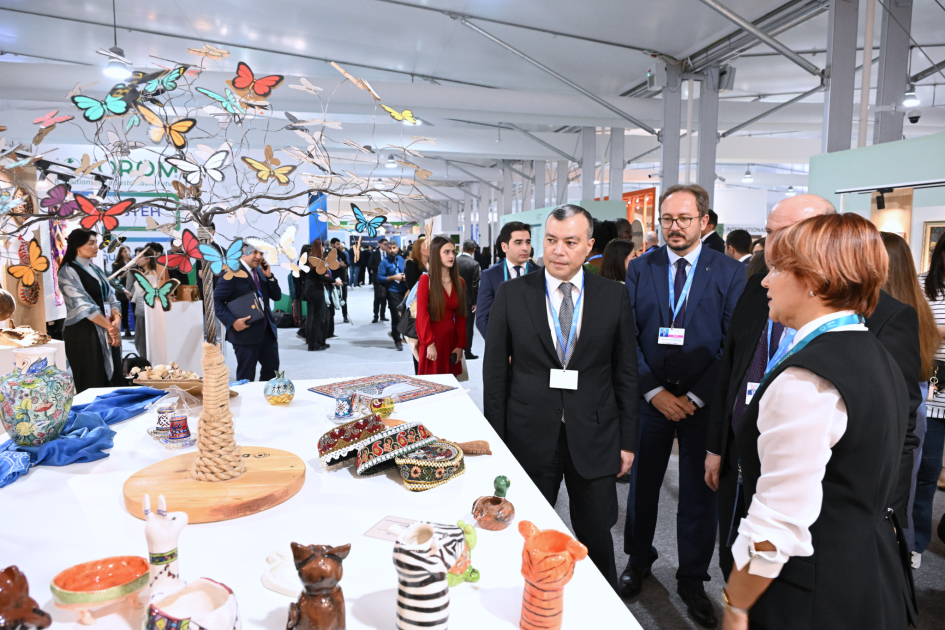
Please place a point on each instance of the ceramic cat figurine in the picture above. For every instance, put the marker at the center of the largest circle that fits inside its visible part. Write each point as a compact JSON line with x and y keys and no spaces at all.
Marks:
{"x":321,"y":605}
{"x":18,"y":611}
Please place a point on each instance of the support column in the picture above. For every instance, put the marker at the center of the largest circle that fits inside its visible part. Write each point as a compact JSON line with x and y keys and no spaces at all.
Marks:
{"x":539,"y":173}
{"x":527,"y":187}
{"x":448,"y":220}
{"x":588,"y":162}
{"x":669,"y":133}
{"x":615,"y":189}
{"x":507,"y":194}
{"x":708,"y":130}
{"x":483,"y":209}
{"x":562,"y":196}
{"x":893,"y":67}
{"x":464,"y":218}
{"x":842,"y":24}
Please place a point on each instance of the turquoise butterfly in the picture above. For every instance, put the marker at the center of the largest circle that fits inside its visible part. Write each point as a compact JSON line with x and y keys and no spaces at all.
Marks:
{"x":152,"y":294}
{"x":94,"y":110}
{"x":216,"y":259}
{"x":167,"y":81}
{"x":363,"y":224}
{"x":133,"y":121}
{"x":228,"y":102}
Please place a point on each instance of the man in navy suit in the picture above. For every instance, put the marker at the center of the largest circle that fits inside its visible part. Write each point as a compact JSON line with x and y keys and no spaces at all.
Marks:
{"x":738,"y":246}
{"x":257,"y":342}
{"x":679,"y":351}
{"x":515,"y":239}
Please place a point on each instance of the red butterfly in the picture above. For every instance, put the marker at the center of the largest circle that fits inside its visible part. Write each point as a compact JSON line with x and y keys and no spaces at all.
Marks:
{"x":182,"y":261}
{"x":96,"y":214}
{"x":246,"y":80}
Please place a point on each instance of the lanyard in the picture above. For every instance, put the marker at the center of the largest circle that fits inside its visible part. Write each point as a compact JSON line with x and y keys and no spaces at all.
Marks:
{"x":574,"y":318}
{"x":595,"y":257}
{"x":684,"y":294}
{"x":505,"y":270}
{"x":786,"y":350}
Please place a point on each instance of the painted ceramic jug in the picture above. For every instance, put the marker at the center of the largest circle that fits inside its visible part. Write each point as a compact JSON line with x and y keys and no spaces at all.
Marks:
{"x":280,"y":390}
{"x":175,"y":604}
{"x":547,"y":565}
{"x":494,"y":513}
{"x":463,"y":570}
{"x":35,"y":397}
{"x":423,"y":555}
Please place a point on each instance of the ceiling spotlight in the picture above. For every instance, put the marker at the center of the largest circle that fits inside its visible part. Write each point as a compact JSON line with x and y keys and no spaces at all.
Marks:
{"x":790,"y":191}
{"x":748,"y":178}
{"x":115,"y":69}
{"x":910,"y":99}
{"x":390,"y":162}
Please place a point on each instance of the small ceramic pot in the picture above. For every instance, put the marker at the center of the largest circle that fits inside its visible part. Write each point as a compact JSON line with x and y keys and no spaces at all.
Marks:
{"x":383,"y":407}
{"x":165,"y":412}
{"x":423,"y":555}
{"x":92,"y":585}
{"x":35,"y":398}
{"x":495,"y":513}
{"x":280,"y":390}
{"x":178,"y":436}
{"x":548,"y":560}
{"x":202,"y":603}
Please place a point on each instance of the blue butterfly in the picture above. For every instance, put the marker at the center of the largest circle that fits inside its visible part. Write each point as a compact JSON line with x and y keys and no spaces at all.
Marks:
{"x":216,"y":259}
{"x":363,"y":223}
{"x":228,"y":102}
{"x":94,"y":110}
{"x":37,"y":367}
{"x":165,"y":82}
{"x":133,"y":122}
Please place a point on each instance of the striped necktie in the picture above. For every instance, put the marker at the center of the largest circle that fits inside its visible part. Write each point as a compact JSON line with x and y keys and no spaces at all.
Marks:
{"x":565,"y":315}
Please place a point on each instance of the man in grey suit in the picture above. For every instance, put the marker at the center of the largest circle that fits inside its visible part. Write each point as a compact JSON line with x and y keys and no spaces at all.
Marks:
{"x":469,"y":271}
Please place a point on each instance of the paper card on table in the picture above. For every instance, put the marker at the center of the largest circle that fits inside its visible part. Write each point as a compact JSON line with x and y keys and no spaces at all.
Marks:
{"x":381,"y":529}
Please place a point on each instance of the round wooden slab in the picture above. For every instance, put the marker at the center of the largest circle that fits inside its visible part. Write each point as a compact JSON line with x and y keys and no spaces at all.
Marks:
{"x":272,"y":476}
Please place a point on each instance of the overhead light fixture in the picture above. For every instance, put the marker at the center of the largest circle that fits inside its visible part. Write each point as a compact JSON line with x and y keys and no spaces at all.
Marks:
{"x":881,"y":198}
{"x":748,"y":178}
{"x":790,"y":191}
{"x":910,"y":99}
{"x":118,"y":67}
{"x":390,"y":162}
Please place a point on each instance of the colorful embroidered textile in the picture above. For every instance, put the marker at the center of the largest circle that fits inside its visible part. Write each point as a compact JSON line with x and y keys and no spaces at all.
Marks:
{"x":378,"y":453}
{"x":431,"y":466}
{"x":375,"y":386}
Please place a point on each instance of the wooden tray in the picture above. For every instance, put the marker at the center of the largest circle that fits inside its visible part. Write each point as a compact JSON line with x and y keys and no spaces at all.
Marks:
{"x":192,"y":387}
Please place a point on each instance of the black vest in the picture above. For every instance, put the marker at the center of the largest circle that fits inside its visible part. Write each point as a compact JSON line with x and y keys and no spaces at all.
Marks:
{"x":92,"y":284}
{"x":858,"y":576}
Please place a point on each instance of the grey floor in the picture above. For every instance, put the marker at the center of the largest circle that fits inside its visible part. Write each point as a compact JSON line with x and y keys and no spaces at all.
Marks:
{"x":364,"y":349}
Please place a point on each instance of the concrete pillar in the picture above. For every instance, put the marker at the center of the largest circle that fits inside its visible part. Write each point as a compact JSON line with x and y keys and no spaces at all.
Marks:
{"x":708,"y":130}
{"x":616,"y":163}
{"x":893,"y":70}
{"x":508,"y":195}
{"x":842,"y":24}
{"x":527,"y":187}
{"x":467,"y":212}
{"x":483,"y":208}
{"x":562,"y":196}
{"x":669,"y":134}
{"x":539,"y":173}
{"x":588,"y":162}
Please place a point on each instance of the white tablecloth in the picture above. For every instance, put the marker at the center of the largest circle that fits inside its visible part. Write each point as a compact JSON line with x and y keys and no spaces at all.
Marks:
{"x":57,"y":517}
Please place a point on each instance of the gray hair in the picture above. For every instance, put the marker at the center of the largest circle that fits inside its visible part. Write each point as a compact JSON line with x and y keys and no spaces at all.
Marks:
{"x":470,"y":245}
{"x":248,"y":249}
{"x":651,"y":237}
{"x":568,"y":210}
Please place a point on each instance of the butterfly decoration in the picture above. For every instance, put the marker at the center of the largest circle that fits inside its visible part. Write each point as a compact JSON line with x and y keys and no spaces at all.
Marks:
{"x":111,"y":243}
{"x":186,"y":192}
{"x":265,"y":171}
{"x":248,"y":85}
{"x":210,"y":52}
{"x":51,"y":119}
{"x":361,"y":84}
{"x":78,"y":88}
{"x":405,"y":150}
{"x":363,"y":223}
{"x":311,"y":139}
{"x":423,"y":139}
{"x":41,"y":134}
{"x":189,"y":70}
{"x":140,"y":174}
{"x":357,"y":250}
{"x":165,"y":82}
{"x":305,"y":156}
{"x":182,"y":261}
{"x":229,"y":102}
{"x":96,"y":214}
{"x":316,"y":181}
{"x":298,"y":124}
{"x":322,"y":266}
{"x":87,"y":166}
{"x":29,"y":159}
{"x":35,"y":264}
{"x":8,"y":202}
{"x":208,"y":151}
{"x":270,"y":250}
{"x":306,"y":86}
{"x":118,"y":147}
{"x":405,"y":116}
{"x":56,"y":201}
{"x":94,"y":110}
{"x":133,"y":121}
{"x":297,"y":268}
{"x":286,"y":246}
{"x":4,"y":150}
{"x":428,"y":231}
{"x":154,"y":226}
{"x":218,"y":260}
{"x":362,"y":148}
{"x":422,"y":174}
{"x":174,"y":131}
{"x":270,"y":156}
{"x":154,"y":294}
{"x":407,"y":164}
{"x":194,"y":172}
{"x":367,"y":86}
{"x":237,"y":215}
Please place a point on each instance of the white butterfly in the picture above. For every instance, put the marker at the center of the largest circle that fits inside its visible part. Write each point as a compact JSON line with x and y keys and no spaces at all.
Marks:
{"x":296,"y":268}
{"x":194,"y":172}
{"x":208,"y":151}
{"x":118,"y":147}
{"x":139,"y":175}
{"x":165,"y":228}
{"x":306,"y":87}
{"x":239,"y":213}
{"x":405,"y":150}
{"x":78,"y":89}
{"x":309,"y":138}
{"x":272,"y":254}
{"x":316,"y":181}
{"x":286,"y":241}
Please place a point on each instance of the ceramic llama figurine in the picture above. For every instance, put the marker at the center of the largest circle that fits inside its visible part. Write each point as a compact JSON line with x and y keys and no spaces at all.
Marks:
{"x":175,"y":604}
{"x":321,"y":605}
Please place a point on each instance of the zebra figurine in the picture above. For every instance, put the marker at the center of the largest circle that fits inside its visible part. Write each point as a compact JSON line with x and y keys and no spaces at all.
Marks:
{"x":423,"y":555}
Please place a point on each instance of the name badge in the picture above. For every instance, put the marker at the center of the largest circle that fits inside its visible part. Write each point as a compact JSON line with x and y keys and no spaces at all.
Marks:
{"x":750,"y":392}
{"x":672,"y":336}
{"x":563,"y":379}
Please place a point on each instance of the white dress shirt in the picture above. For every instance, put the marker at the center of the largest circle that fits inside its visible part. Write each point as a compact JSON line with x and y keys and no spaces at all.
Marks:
{"x":800,"y":418}
{"x":577,"y":283}
{"x":691,"y":259}
{"x":744,"y":258}
{"x":511,"y":268}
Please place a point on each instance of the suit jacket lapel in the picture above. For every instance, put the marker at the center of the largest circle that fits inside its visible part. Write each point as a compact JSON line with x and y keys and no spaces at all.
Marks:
{"x":659,"y":266}
{"x":703,"y":271}
{"x":535,"y":301}
{"x":589,"y":318}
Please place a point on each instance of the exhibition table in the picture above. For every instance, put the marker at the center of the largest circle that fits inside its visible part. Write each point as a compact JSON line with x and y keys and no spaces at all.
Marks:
{"x":55,"y":518}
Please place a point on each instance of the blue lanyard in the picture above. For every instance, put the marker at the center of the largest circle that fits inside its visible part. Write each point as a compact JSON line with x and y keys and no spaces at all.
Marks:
{"x":787,"y":350}
{"x":684,"y":294}
{"x":574,"y":318}
{"x":505,"y":270}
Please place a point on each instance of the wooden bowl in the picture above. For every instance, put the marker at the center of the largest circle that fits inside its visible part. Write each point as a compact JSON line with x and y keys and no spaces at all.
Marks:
{"x":98,"y":583}
{"x":194,"y":387}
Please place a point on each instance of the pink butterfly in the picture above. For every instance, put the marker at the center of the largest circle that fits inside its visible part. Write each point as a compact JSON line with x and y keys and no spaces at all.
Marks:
{"x":51,"y":119}
{"x":56,"y":201}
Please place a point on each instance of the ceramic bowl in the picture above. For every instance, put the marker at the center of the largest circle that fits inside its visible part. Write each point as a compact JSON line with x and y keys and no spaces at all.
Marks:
{"x":100,"y":581}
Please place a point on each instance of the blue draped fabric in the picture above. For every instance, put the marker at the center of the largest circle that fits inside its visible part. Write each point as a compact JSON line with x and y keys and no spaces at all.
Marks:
{"x":84,"y":438}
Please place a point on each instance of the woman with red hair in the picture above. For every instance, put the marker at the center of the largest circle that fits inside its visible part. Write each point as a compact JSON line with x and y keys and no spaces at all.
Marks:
{"x":820,"y":445}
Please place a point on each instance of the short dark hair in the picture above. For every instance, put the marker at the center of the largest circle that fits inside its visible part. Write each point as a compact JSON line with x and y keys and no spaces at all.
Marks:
{"x":739,"y":240}
{"x":697,"y":191}
{"x":505,"y":234}
{"x":383,"y":240}
{"x":334,"y":240}
{"x":470,"y":245}
{"x":567,"y":210}
{"x":713,"y":217}
{"x":604,"y":232}
{"x":213,"y":226}
{"x":156,"y":247}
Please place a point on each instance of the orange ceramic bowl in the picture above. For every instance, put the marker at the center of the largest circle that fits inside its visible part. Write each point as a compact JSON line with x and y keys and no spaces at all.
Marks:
{"x":100,"y":580}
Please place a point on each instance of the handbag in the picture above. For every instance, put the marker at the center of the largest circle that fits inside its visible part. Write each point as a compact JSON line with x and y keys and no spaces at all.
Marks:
{"x":407,"y":326}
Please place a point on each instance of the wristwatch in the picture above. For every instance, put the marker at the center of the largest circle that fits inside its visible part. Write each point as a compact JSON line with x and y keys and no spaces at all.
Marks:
{"x":727,"y":605}
{"x":692,"y":401}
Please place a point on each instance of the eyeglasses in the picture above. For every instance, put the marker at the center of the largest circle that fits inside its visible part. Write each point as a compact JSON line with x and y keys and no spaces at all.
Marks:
{"x":683,"y":222}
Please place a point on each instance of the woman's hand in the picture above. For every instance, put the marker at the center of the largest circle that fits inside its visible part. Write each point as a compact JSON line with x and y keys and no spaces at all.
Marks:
{"x":431,"y":352}
{"x":459,"y":354}
{"x":734,"y":621}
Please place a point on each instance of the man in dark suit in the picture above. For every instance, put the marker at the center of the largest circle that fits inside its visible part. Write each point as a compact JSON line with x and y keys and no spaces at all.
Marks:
{"x":470,"y":272}
{"x":560,"y":380}
{"x":515,"y":238}
{"x":683,"y":295}
{"x":342,"y":274}
{"x":738,"y":246}
{"x":255,"y":342}
{"x":710,"y":237}
{"x":747,"y":352}
{"x":380,"y":288}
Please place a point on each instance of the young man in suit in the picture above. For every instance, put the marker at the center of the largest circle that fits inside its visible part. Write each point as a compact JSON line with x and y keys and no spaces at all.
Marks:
{"x":255,"y":342}
{"x":683,"y":295}
{"x":515,"y":239}
{"x":738,"y":246}
{"x":470,"y":272}
{"x":560,"y":380}
{"x":746,"y":355}
{"x":380,"y":288}
{"x":710,"y":237}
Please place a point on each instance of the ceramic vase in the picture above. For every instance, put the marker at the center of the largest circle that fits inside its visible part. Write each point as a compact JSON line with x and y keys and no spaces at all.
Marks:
{"x":547,"y":566}
{"x":280,"y":390}
{"x":35,"y":397}
{"x":494,"y":513}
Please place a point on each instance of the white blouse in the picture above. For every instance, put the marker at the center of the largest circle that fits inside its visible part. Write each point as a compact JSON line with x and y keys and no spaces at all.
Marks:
{"x":800,"y":417}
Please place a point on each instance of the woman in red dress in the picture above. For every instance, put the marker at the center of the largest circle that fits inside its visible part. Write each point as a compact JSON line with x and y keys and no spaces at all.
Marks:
{"x":441,"y":312}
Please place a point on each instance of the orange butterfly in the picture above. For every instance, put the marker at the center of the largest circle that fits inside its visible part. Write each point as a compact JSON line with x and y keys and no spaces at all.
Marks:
{"x":37,"y":264}
{"x":96,"y":214}
{"x":175,"y":131}
{"x":246,"y":80}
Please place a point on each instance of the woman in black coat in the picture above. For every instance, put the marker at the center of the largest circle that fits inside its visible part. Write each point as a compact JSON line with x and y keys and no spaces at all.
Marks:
{"x":313,"y":291}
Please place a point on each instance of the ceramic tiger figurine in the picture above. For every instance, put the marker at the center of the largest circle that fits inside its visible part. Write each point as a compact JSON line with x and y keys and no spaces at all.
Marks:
{"x":423,"y":555}
{"x":547,"y":564}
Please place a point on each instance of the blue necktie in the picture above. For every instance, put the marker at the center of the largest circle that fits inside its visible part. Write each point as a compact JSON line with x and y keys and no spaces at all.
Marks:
{"x":256,"y":280}
{"x":518,"y":271}
{"x":678,"y":284}
{"x":756,"y":369}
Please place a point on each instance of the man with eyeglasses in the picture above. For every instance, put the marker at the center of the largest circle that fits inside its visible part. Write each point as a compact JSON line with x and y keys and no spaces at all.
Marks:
{"x":683,"y":295}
